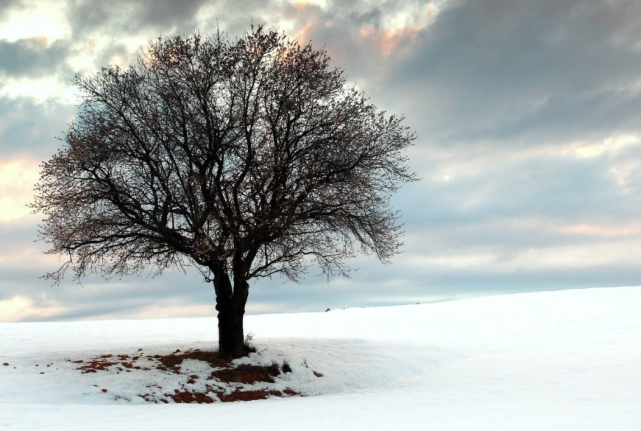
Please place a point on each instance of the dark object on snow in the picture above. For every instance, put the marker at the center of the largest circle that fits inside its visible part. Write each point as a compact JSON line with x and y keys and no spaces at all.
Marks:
{"x":242,"y":157}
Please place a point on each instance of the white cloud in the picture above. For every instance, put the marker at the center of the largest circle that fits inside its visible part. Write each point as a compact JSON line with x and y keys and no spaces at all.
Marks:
{"x":21,"y":308}
{"x":36,"y":18}
{"x":17,"y":179}
{"x":41,"y":90}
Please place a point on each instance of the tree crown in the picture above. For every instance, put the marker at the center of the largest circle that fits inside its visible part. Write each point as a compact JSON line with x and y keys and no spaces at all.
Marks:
{"x":250,"y":156}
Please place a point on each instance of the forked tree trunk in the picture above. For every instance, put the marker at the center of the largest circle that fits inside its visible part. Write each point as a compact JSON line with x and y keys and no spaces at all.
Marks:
{"x":231,"y":310}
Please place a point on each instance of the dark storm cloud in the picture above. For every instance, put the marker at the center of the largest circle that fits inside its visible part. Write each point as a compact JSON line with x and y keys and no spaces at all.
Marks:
{"x":131,"y":17}
{"x":557,"y":188}
{"x":557,"y":119}
{"x":32,"y":57}
{"x":7,"y":5}
{"x":507,"y":68}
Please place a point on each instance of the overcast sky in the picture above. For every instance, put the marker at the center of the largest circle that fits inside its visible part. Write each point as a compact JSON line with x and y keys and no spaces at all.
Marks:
{"x":528,"y":116}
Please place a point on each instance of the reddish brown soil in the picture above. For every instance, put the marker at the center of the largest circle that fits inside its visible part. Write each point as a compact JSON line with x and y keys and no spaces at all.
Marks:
{"x":192,"y":397}
{"x":245,"y":396}
{"x":237,"y":395}
{"x":95,"y":365}
{"x":174,"y":359}
{"x":243,"y":374}
{"x":246,"y":374}
{"x":167,"y":362}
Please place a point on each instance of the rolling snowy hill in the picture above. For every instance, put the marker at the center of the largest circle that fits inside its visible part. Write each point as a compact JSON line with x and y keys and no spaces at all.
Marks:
{"x":567,"y":360}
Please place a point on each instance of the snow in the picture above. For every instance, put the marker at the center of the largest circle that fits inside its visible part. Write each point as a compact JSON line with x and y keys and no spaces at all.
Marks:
{"x":565,"y":360}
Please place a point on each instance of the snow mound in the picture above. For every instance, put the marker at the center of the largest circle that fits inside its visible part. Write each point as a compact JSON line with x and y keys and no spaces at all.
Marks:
{"x":550,"y":360}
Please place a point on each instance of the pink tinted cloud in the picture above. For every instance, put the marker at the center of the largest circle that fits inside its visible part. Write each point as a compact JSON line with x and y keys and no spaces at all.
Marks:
{"x":398,"y":40}
{"x":17,"y":179}
{"x":22,"y":308}
{"x":604,"y":230}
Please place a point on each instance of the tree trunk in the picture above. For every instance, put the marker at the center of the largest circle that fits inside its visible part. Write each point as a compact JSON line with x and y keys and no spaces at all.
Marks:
{"x":231,"y":337}
{"x":230,"y":304}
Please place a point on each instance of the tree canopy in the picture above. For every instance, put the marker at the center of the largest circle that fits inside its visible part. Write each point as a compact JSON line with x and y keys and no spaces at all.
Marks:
{"x":244,"y":158}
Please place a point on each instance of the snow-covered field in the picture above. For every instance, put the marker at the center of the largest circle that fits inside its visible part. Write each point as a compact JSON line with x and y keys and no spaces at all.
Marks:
{"x":567,"y":360}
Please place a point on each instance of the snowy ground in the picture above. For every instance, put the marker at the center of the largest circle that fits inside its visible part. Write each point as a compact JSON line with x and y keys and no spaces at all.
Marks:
{"x":568,"y":360}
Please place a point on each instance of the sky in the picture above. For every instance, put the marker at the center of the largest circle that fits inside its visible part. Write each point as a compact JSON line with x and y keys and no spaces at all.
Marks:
{"x":528,"y":123}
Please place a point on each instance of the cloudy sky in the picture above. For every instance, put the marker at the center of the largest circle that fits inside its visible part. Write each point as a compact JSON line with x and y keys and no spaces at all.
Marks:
{"x":528,"y":116}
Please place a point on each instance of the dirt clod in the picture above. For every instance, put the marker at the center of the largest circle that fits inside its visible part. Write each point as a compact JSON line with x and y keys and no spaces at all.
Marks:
{"x":247,"y":374}
{"x":95,"y":365}
{"x":174,"y":359}
{"x":239,"y":395}
{"x":192,"y":397}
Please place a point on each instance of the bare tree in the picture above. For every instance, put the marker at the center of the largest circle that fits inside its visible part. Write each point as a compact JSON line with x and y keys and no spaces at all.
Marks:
{"x":244,"y":158}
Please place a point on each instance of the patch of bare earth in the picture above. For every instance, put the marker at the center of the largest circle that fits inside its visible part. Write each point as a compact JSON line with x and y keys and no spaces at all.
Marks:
{"x":224,"y":375}
{"x":247,"y":374}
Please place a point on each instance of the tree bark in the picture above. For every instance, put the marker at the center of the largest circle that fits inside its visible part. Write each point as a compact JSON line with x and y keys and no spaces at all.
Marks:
{"x":230,"y":304}
{"x":231,"y":336}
